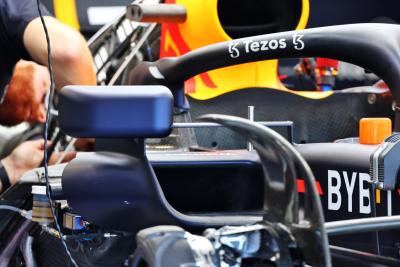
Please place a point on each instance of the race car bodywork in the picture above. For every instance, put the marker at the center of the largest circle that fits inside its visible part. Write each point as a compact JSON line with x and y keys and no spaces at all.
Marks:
{"x":115,"y":192}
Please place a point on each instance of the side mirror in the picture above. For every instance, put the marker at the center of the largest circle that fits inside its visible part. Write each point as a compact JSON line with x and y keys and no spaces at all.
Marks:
{"x":116,"y":111}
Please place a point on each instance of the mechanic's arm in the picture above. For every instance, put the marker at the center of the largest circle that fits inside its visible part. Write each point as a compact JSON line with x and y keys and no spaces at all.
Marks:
{"x":72,"y":60}
{"x":27,"y":156}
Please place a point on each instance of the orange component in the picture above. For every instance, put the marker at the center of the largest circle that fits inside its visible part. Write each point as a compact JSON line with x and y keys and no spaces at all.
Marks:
{"x":378,"y":196}
{"x":374,"y":131}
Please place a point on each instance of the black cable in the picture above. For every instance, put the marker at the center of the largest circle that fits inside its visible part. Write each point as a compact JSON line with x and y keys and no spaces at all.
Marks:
{"x":372,"y":196}
{"x":364,"y":257}
{"x":45,"y":136}
{"x":52,"y":148}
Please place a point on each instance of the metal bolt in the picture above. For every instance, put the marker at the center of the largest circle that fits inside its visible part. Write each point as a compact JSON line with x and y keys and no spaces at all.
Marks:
{"x":372,"y":99}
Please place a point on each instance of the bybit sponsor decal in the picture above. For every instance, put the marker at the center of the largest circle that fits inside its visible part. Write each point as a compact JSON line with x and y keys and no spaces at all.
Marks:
{"x":337,"y":180}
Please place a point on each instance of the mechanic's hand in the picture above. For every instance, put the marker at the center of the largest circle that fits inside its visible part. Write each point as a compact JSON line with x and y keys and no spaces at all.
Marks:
{"x":306,"y":67}
{"x":27,"y":156}
{"x":24,"y":100}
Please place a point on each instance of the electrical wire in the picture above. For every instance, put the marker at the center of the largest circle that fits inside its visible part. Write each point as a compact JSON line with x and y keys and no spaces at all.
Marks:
{"x":45,"y":135}
{"x":372,"y":196}
{"x":364,"y":257}
{"x":10,"y":208}
{"x":24,"y":213}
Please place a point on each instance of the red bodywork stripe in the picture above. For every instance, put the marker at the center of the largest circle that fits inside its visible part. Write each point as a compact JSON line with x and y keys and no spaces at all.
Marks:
{"x":301,"y":187}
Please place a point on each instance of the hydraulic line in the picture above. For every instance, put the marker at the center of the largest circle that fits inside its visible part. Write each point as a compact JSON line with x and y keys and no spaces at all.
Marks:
{"x":23,"y":213}
{"x":13,"y":243}
{"x":364,"y":257}
{"x":372,"y":196}
{"x":27,"y":252}
{"x":11,"y":208}
{"x":362,"y":225}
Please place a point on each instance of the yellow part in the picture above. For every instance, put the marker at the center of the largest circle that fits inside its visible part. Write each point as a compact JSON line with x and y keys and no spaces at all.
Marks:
{"x":305,"y":14}
{"x":378,"y":196}
{"x":374,"y":131}
{"x":311,"y":94}
{"x":202,"y":27}
{"x":65,"y":11}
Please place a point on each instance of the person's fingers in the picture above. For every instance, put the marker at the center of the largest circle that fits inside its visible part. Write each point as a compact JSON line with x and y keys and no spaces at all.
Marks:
{"x":68,"y":157}
{"x":37,"y":157}
{"x":40,"y":115}
{"x":40,"y":144}
{"x":54,"y":157}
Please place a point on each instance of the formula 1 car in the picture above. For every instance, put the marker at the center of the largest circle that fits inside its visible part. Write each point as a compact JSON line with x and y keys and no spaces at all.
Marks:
{"x":122,"y":44}
{"x":110,"y":195}
{"x":103,"y":214}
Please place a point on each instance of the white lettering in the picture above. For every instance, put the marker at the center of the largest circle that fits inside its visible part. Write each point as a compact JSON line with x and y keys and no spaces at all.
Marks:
{"x":255,"y":46}
{"x":350,"y":188}
{"x":282,"y":43}
{"x":297,"y":42}
{"x":250,"y":46}
{"x":264,"y":46}
{"x":233,"y":51}
{"x":334,"y":190}
{"x":273,"y":44}
{"x":246,"y":45}
{"x":364,"y":193}
{"x":389,"y":203}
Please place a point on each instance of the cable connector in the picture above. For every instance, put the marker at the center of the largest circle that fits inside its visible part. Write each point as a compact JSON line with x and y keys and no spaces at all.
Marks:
{"x":27,"y":214}
{"x":52,"y":231}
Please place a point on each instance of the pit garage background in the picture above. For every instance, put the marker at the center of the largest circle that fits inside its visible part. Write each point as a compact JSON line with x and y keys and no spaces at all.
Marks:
{"x":90,"y":15}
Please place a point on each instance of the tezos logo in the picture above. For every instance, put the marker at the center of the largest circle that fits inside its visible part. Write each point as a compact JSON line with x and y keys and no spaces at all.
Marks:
{"x":298,"y":42}
{"x":249,"y":46}
{"x":233,"y":50}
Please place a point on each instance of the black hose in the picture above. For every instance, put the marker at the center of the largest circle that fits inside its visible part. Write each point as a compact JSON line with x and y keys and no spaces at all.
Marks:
{"x":52,"y":147}
{"x":364,"y":257}
{"x":27,"y":252}
{"x":13,"y":243}
{"x":372,"y":196}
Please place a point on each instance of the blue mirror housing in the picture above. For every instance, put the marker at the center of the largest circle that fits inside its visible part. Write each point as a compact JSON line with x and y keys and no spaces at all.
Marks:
{"x":116,"y":111}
